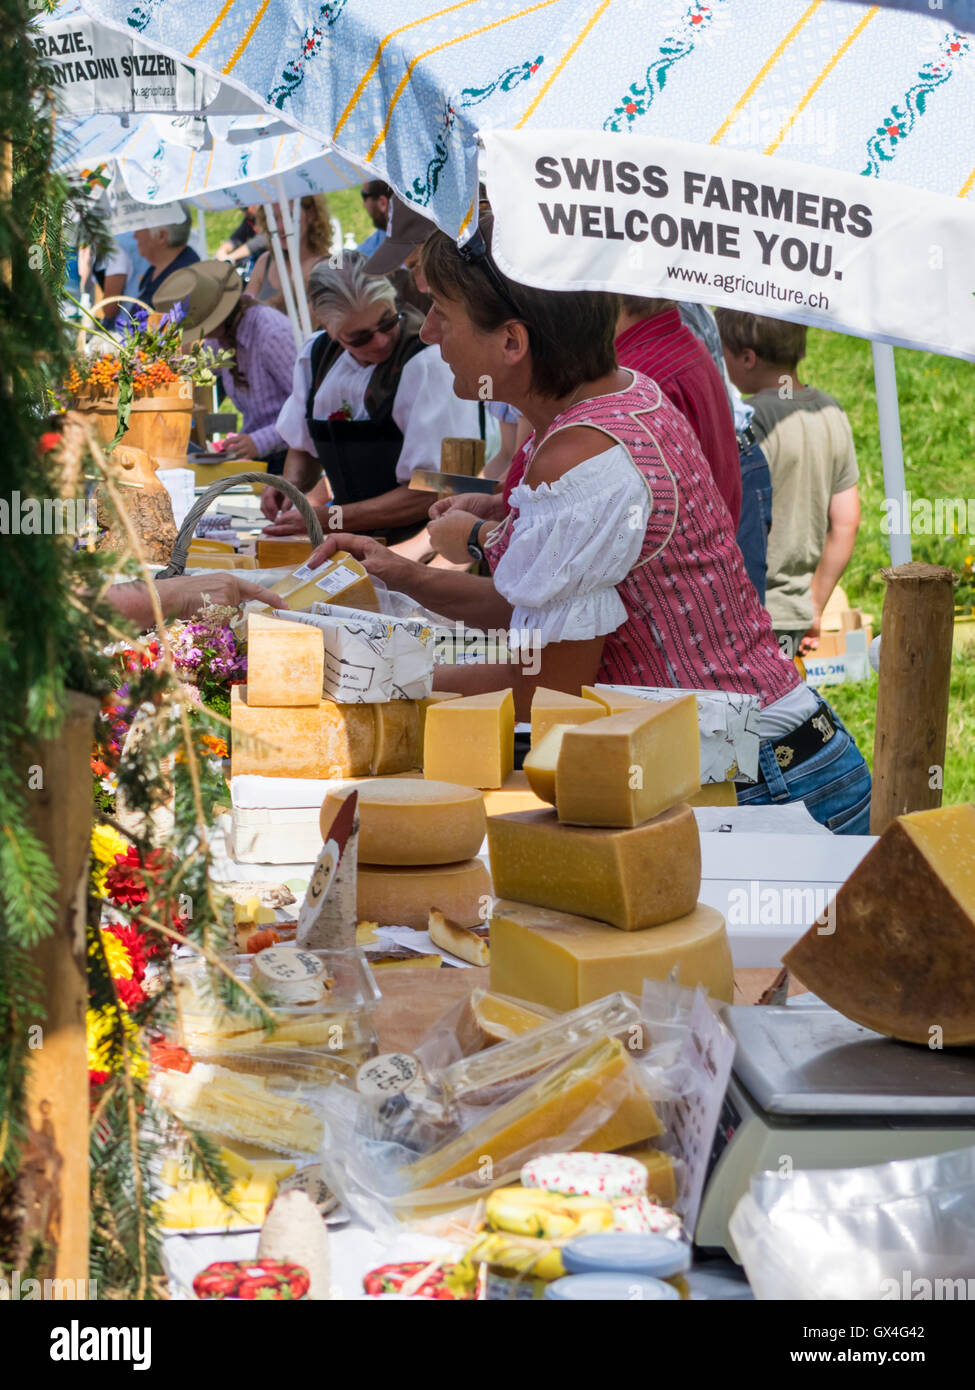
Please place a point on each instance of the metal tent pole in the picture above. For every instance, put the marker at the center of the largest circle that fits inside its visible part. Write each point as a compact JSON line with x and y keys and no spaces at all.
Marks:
{"x":286,"y":288}
{"x":891,"y":449}
{"x":294,"y":254}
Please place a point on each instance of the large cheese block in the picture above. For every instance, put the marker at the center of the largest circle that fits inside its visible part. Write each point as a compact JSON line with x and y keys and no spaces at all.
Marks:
{"x":896,"y":952}
{"x":592,"y":1099}
{"x":409,"y":820}
{"x":205,"y":560}
{"x":402,"y":895}
{"x":397,"y":746}
{"x":341,"y":580}
{"x":514,"y":795}
{"x":563,"y":961}
{"x":434,"y":698}
{"x":542,"y":761}
{"x":556,"y":707}
{"x":471,"y":740}
{"x":714,"y":794}
{"x":324,"y":740}
{"x":274,"y":552}
{"x":285,"y":662}
{"x":625,"y":768}
{"x":631,"y":878}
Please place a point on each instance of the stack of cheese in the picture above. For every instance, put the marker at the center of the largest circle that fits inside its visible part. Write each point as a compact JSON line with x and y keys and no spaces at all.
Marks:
{"x":417,"y":842}
{"x":282,"y":727}
{"x":602,"y":892}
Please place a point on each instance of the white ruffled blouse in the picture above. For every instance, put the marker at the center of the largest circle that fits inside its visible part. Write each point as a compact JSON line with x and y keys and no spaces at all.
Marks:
{"x":571,"y":543}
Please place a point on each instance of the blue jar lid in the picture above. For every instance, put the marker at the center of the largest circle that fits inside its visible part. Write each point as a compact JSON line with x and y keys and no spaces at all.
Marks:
{"x":626,"y":1252}
{"x":620,"y":1288}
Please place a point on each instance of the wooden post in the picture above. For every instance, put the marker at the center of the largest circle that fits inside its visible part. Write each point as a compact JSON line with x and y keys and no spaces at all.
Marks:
{"x":912,"y":695}
{"x":53,"y":1183}
{"x":464,"y":456}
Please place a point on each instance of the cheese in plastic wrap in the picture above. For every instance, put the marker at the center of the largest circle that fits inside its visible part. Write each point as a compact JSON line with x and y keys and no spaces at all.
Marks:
{"x":372,"y":657}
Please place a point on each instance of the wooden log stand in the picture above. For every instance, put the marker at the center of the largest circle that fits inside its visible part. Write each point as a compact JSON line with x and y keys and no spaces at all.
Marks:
{"x":912,"y":694}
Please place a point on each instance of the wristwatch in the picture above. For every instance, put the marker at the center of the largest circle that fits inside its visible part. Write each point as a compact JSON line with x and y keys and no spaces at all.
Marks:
{"x":474,"y":548}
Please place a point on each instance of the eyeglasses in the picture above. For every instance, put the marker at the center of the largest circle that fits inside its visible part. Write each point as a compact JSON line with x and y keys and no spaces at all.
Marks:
{"x":385,"y":325}
{"x":475,"y":252}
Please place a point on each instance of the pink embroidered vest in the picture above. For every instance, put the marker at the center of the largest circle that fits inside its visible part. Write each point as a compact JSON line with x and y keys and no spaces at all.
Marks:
{"x":693,"y":616}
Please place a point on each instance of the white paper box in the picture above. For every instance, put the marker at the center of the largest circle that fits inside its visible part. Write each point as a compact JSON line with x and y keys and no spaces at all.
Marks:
{"x":729,"y":726}
{"x":275,"y":820}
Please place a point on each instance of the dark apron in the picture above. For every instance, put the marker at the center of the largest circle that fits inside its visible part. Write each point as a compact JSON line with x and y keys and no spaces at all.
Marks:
{"x":359,"y":457}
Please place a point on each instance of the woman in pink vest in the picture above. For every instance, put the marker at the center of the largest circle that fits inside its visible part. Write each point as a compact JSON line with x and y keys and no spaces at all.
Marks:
{"x":614,"y":555}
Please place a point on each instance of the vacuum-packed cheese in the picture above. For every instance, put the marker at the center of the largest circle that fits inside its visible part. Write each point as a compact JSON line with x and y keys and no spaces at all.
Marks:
{"x":628,"y":767}
{"x":563,"y":961}
{"x":471,"y":740}
{"x":397,"y":747}
{"x":341,"y":580}
{"x":324,"y":740}
{"x":896,"y":951}
{"x":285,"y":662}
{"x":631,"y":878}
{"x":556,"y":707}
{"x":409,"y":820}
{"x":402,"y":895}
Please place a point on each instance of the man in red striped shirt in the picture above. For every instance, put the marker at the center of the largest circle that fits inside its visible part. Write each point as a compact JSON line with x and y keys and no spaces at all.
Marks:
{"x":652,"y":339}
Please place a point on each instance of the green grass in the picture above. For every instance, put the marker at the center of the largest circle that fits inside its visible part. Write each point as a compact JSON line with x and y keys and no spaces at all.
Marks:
{"x":346,"y":206}
{"x":938,"y":431}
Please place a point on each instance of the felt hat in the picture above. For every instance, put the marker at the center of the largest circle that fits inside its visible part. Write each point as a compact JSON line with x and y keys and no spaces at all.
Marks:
{"x":207,"y":289}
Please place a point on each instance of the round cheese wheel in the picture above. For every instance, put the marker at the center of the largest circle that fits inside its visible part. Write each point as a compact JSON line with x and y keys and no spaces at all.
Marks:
{"x":586,"y":1175}
{"x":289,"y":976}
{"x":394,"y":896}
{"x":407,"y":820}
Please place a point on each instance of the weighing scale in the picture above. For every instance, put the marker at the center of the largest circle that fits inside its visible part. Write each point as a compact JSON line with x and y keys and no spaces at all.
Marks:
{"x":812,"y":1089}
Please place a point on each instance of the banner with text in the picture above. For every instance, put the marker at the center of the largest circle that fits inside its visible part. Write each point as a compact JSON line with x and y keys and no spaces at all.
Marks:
{"x":591,"y":210}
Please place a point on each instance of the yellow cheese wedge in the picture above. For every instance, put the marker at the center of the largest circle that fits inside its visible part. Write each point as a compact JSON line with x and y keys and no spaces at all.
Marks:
{"x":397,"y":742}
{"x":471,"y":740}
{"x":514,"y":795}
{"x":435,"y":698}
{"x":542,"y":759}
{"x":569,"y":1099}
{"x":327,"y":740}
{"x":563,"y":961}
{"x":714,"y":794}
{"x":252,"y":910}
{"x":613,"y":701}
{"x":625,"y":768}
{"x":273,"y":552}
{"x":211,"y":560}
{"x":285,"y":662}
{"x":409,"y":820}
{"x":556,"y":707}
{"x":897,"y":950}
{"x":427,"y":962}
{"x":196,"y":1204}
{"x":210,"y":547}
{"x":501,"y":1019}
{"x":395,"y":895}
{"x":631,"y":878}
{"x":661,"y":1173}
{"x":341,"y":580}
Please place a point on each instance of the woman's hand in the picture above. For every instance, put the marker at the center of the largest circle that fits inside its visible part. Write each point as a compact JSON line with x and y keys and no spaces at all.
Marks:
{"x":185,"y":595}
{"x":290,"y":522}
{"x":378,"y":559}
{"x":273,"y":502}
{"x":450,"y":533}
{"x":489,"y":506}
{"x":239,"y":446}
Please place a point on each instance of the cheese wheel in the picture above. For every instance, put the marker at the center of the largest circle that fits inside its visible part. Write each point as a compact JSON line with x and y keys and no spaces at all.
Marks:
{"x":397,"y":747}
{"x":402,"y":896}
{"x":408,"y":820}
{"x":285,"y":662}
{"x":287,"y":976}
{"x":324,"y":740}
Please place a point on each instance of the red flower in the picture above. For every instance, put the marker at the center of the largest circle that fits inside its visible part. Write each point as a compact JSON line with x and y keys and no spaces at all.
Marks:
{"x":630,"y":108}
{"x":533,"y":67}
{"x":130,"y":993}
{"x":97,"y":1078}
{"x":48,"y":441}
{"x":893,"y":130}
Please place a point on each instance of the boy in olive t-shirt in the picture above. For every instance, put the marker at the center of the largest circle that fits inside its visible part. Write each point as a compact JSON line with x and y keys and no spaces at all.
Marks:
{"x":806,"y":437}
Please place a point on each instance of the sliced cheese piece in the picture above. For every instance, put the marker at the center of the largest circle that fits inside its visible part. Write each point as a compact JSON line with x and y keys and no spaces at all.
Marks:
{"x":556,"y":707}
{"x":327,"y":740}
{"x":397,"y":745}
{"x":897,"y":950}
{"x":514,"y":795}
{"x":285,"y":662}
{"x":418,"y":962}
{"x":566,"y":1101}
{"x":409,"y":820}
{"x":542,"y":759}
{"x":501,"y":1019}
{"x":341,"y":580}
{"x":239,"y":1107}
{"x":402,"y":896}
{"x":631,"y":878}
{"x":459,"y":941}
{"x":625,"y":768}
{"x":613,"y":701}
{"x":714,"y":794}
{"x":563,"y":961}
{"x":471,"y":740}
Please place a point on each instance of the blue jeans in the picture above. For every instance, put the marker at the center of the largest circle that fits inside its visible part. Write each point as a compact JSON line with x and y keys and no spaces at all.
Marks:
{"x":756,"y":512}
{"x":834,"y":783}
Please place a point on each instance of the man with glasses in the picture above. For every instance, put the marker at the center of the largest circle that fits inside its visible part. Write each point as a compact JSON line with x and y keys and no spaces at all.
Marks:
{"x":370,"y":404}
{"x":376,"y":197}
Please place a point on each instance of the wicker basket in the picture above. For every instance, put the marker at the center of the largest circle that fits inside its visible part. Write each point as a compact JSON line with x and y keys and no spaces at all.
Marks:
{"x":181,"y":549}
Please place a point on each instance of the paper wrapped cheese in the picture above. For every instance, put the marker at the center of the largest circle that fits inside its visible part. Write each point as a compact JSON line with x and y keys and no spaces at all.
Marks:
{"x":370,"y":657}
{"x":328,"y":916}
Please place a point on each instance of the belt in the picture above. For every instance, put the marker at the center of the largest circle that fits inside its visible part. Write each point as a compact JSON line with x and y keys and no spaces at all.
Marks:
{"x":797,"y":747}
{"x":746,"y":439}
